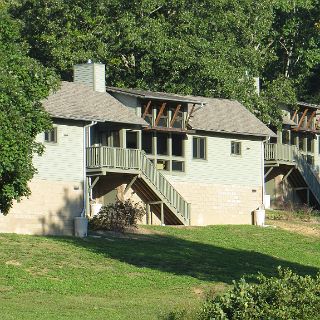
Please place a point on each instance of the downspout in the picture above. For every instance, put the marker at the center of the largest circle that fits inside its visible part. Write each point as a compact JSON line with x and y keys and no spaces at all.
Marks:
{"x":262,"y":168}
{"x":83,"y":212}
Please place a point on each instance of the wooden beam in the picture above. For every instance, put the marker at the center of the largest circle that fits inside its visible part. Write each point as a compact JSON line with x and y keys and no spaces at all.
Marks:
{"x":146,"y":110}
{"x":175,"y":115}
{"x":294,"y":115}
{"x":190,"y":114}
{"x":129,"y":185}
{"x":287,"y":175}
{"x":154,"y":202}
{"x":160,"y":114}
{"x":267,"y":173}
{"x":94,"y":182}
{"x":311,"y":117}
{"x":301,"y":120}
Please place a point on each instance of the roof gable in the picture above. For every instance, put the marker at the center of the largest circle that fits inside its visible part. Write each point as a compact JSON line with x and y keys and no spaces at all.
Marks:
{"x":80,"y":102}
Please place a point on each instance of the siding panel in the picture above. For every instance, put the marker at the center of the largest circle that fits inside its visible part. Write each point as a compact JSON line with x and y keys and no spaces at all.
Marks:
{"x":62,"y":161}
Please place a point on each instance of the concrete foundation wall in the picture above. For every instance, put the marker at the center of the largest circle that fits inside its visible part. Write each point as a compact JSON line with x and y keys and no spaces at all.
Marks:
{"x":210,"y":203}
{"x":220,"y":204}
{"x":49,"y":210}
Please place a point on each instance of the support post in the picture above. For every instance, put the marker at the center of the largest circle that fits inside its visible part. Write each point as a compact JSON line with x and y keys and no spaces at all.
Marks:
{"x":162,"y":214}
{"x":147,"y":213}
{"x":308,"y":197}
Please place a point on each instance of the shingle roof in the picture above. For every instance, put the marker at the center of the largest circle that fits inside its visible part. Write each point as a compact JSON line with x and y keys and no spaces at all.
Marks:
{"x":156,"y":95}
{"x":228,"y":116}
{"x":78,"y":101}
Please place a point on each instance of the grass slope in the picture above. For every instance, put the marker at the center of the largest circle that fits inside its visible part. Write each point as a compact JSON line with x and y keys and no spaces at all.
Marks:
{"x":139,"y":276}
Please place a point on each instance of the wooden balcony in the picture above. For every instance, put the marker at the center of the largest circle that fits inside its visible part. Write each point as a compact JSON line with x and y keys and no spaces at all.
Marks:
{"x":276,"y":153}
{"x":100,"y":160}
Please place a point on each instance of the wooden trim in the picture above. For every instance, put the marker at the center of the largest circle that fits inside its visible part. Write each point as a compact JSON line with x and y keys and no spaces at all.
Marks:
{"x":301,"y":120}
{"x":129,"y":185}
{"x":189,"y":115}
{"x":160,"y":114}
{"x":311,"y":117}
{"x":175,"y":115}
{"x":294,"y":115}
{"x":167,"y":129}
{"x":146,"y":110}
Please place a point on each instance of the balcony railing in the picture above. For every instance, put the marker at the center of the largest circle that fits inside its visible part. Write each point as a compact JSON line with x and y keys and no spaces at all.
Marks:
{"x":279,"y":152}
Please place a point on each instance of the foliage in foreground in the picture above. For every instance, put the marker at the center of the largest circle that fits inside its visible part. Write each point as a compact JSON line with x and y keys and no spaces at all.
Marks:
{"x":288,"y":296}
{"x":117,"y":216}
{"x":23,"y":84}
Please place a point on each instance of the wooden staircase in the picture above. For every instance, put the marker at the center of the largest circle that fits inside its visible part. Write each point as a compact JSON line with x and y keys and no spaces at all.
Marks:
{"x":149,"y":183}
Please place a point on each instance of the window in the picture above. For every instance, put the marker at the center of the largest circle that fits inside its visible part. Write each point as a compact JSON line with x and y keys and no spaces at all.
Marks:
{"x":301,"y":142}
{"x":51,"y":136}
{"x":199,"y":148}
{"x":309,"y":143}
{"x":177,"y":122}
{"x":132,"y":140}
{"x":162,"y":116}
{"x":177,"y":145}
{"x":236,"y":148}
{"x":285,"y":136}
{"x":162,"y":143}
{"x":177,"y":165}
{"x":147,"y":142}
{"x":147,"y":112}
{"x":162,"y":164}
{"x":114,"y":139}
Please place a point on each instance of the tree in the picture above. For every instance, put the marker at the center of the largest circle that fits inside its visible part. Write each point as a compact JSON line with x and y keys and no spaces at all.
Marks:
{"x":200,"y":47}
{"x":23,"y":84}
{"x":296,"y":43}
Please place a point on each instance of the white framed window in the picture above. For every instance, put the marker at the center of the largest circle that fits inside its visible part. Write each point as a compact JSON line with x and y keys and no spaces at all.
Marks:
{"x":236,"y":148}
{"x":51,"y":135}
{"x":199,"y":148}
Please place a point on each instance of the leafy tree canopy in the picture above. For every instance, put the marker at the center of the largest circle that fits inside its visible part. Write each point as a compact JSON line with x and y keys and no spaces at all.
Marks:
{"x":202,"y":47}
{"x":23,"y":83}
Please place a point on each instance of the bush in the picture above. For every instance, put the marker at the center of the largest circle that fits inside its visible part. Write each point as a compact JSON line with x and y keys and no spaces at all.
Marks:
{"x":288,"y":296}
{"x":292,"y":211}
{"x":117,"y":216}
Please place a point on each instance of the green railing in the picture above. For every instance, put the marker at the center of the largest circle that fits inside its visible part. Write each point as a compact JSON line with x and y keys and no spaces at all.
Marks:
{"x":134,"y":159}
{"x":291,"y":154}
{"x":308,"y":173}
{"x":279,"y":152}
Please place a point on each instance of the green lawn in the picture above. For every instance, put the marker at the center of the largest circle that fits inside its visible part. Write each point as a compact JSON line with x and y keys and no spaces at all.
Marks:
{"x":139,"y":276}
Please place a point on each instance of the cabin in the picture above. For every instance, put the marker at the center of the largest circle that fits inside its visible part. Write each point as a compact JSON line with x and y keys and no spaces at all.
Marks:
{"x":292,"y":160}
{"x":189,"y":160}
{"x":199,"y":161}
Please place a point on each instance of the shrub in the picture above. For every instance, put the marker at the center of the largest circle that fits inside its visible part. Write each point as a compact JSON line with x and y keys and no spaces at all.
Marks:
{"x":288,"y":296}
{"x":292,"y":211}
{"x":117,"y":216}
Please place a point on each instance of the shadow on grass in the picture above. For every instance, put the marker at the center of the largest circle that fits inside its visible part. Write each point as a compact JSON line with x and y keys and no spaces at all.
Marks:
{"x":183,"y":257}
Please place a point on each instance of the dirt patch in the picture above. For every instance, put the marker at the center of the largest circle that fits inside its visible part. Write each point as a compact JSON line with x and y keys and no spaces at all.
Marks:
{"x":13,"y":263}
{"x":129,"y":233}
{"x":301,"y":227}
